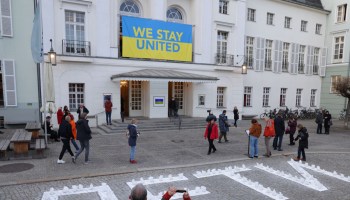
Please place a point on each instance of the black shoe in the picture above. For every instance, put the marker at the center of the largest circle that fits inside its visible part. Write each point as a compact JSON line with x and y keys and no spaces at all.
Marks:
{"x":256,"y":156}
{"x":280,"y":150}
{"x":219,"y":142}
{"x":214,"y":151}
{"x":209,"y":153}
{"x":274,"y":148}
{"x":291,"y":144}
{"x":226,"y":140}
{"x":251,"y":157}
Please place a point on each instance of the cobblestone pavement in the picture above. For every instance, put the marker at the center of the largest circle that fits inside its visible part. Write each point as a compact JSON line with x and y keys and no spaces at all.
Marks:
{"x":157,"y":154}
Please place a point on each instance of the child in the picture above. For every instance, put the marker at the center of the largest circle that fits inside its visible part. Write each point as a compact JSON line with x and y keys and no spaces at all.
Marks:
{"x":302,"y":136}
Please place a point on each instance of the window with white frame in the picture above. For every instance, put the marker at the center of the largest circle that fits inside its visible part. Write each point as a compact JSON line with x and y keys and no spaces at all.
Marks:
{"x":301,"y":63}
{"x":287,"y":21}
{"x":251,"y":15}
{"x":76,"y":95}
{"x":130,"y":8}
{"x":249,"y":51}
{"x":220,"y":97}
{"x":222,"y":47}
{"x":247,"y":99}
{"x":268,"y":55}
{"x":303,"y":25}
{"x":266,"y":96}
{"x":174,"y":15}
{"x":318,"y":29}
{"x":223,"y":5}
{"x":75,"y":33}
{"x":341,"y":14}
{"x":338,"y":48}
{"x":269,"y":19}
{"x":316,"y":60}
{"x":283,"y":96}
{"x":298,"y":97}
{"x":285,"y":63}
{"x":201,"y":100}
{"x":313,"y":98}
{"x":334,"y":81}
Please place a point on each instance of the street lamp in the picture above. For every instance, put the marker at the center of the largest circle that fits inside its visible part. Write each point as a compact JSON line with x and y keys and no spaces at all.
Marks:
{"x":52,"y":55}
{"x":240,"y":61}
{"x":244,"y":68}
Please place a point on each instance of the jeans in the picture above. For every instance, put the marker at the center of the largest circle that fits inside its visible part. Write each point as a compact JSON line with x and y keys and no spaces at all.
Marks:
{"x":108,"y":117}
{"x":267,"y":145}
{"x":84,"y":144}
{"x":277,"y":141}
{"x":132,"y":152}
{"x":75,"y":144}
{"x":223,"y":134}
{"x":319,"y":129}
{"x":211,"y":145}
{"x":66,"y":146}
{"x":253,"y":146}
{"x":301,"y":150}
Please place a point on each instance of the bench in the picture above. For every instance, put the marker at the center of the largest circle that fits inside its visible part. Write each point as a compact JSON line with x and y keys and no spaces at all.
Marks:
{"x":39,"y":147}
{"x":4,"y":145}
{"x":33,"y":127}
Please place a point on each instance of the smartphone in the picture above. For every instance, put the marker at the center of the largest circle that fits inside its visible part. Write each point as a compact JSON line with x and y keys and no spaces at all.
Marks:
{"x":181,"y":191}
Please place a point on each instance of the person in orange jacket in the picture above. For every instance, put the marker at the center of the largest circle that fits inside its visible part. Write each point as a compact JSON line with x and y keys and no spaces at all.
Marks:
{"x":269,"y":132}
{"x":211,"y":132}
{"x":254,"y":134}
{"x":74,"y":131}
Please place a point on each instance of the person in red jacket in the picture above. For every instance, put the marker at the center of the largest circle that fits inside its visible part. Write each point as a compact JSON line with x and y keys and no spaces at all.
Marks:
{"x":59,"y":115}
{"x":171,"y":191}
{"x":269,"y":132}
{"x":211,"y":132}
{"x":139,"y":192}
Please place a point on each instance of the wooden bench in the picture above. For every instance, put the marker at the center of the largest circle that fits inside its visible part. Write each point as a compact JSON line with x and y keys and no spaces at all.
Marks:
{"x":33,"y":127}
{"x":4,"y":145}
{"x":40,"y":146}
{"x":21,"y":140}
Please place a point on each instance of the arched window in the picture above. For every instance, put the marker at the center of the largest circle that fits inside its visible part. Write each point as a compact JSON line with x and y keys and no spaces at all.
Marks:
{"x":129,"y":7}
{"x":174,"y":15}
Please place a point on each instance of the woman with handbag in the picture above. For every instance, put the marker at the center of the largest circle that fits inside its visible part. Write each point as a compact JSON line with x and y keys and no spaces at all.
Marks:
{"x":327,"y":122}
{"x":292,"y":124}
{"x":269,"y":132}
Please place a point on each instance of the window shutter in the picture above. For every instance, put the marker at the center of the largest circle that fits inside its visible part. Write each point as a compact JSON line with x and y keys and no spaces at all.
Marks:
{"x":310,"y":60}
{"x":323,"y":63}
{"x":6,"y":18}
{"x":256,"y":54}
{"x":277,"y":63}
{"x":259,"y":52}
{"x":9,"y":77}
{"x":295,"y":58}
{"x":262,"y":54}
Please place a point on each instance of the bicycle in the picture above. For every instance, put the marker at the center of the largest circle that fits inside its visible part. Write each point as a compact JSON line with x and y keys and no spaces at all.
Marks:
{"x":342,"y":114}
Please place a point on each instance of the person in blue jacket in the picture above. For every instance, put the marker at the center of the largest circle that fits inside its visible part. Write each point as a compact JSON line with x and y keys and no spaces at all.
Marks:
{"x":133,"y":134}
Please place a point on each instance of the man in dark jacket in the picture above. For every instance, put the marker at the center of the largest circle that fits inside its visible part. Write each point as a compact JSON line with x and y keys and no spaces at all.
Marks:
{"x":303,"y":136}
{"x":84,"y":136}
{"x":319,"y":122}
{"x":279,"y":130}
{"x":223,"y":126}
{"x":82,"y":109}
{"x":65,"y":132}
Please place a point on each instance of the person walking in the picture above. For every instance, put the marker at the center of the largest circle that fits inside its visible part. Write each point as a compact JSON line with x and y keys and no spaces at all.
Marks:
{"x":176,"y":107}
{"x":269,"y":132}
{"x":171,"y":107}
{"x":84,"y":136}
{"x":82,"y":109}
{"x":235,"y":115}
{"x":74,"y":132}
{"x":65,"y":132}
{"x":108,"y":109}
{"x":211,"y":132}
{"x":327,"y":121}
{"x":292,"y":124}
{"x":303,"y":137}
{"x":279,"y":130}
{"x":319,"y":122}
{"x":254,"y":134}
{"x":133,"y":134}
{"x":223,"y":126}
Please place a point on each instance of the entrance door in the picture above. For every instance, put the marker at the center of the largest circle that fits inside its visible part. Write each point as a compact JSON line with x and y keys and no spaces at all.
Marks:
{"x":178,"y":93}
{"x":135,"y":99}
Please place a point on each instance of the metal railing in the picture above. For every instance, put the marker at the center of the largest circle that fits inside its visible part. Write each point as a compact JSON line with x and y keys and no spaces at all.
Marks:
{"x":224,"y":59}
{"x":75,"y":47}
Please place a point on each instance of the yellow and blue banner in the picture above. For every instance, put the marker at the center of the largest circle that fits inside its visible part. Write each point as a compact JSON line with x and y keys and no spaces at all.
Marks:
{"x":145,"y":38}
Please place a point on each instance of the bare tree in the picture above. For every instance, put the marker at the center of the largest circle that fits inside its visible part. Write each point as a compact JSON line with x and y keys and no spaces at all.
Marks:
{"x":343,"y":88}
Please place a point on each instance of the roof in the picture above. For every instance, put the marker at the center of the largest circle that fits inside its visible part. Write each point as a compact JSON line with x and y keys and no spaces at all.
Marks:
{"x":308,"y":3}
{"x":163,"y":75}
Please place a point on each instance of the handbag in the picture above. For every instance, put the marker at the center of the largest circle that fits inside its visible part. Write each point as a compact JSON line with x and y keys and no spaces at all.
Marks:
{"x":287,"y":130}
{"x":330,"y":123}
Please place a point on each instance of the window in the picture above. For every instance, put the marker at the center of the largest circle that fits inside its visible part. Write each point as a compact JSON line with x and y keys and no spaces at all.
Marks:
{"x":303,"y":26}
{"x":130,"y":8}
{"x":268,"y":55}
{"x":223,"y":4}
{"x":174,"y":15}
{"x":220,"y":97}
{"x":76,"y":95}
{"x":251,"y":15}
{"x":247,"y":101}
{"x":318,"y":29}
{"x":341,"y":14}
{"x":334,"y":81}
{"x":222,"y":47}
{"x":338,"y":48}
{"x":269,"y":19}
{"x":301,"y":59}
{"x":316,"y":58}
{"x":298,"y":98}
{"x":201,"y":100}
{"x":283,"y":96}
{"x":266,"y":96}
{"x":8,"y":89}
{"x":249,"y":51}
{"x":285,"y":63}
{"x":75,"y":32}
{"x":313,"y":98}
{"x":287,"y":21}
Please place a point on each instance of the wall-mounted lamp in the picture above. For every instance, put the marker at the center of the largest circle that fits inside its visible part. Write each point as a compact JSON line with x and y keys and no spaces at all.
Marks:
{"x":244,"y":68}
{"x":52,"y":55}
{"x":123,"y":83}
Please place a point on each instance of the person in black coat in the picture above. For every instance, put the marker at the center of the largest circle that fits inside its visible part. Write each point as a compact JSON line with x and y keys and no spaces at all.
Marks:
{"x":133,"y":134}
{"x":235,"y":115}
{"x":279,"y":130}
{"x":84,"y":136}
{"x":327,"y":120}
{"x":303,"y":136}
{"x":82,"y":109}
{"x":65,"y":132}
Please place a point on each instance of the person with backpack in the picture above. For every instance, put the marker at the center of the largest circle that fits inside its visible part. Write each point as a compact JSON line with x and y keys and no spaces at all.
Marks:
{"x":223,"y":126}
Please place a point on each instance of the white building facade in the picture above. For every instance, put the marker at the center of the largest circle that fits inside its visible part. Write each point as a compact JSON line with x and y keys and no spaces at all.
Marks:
{"x":87,"y":37}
